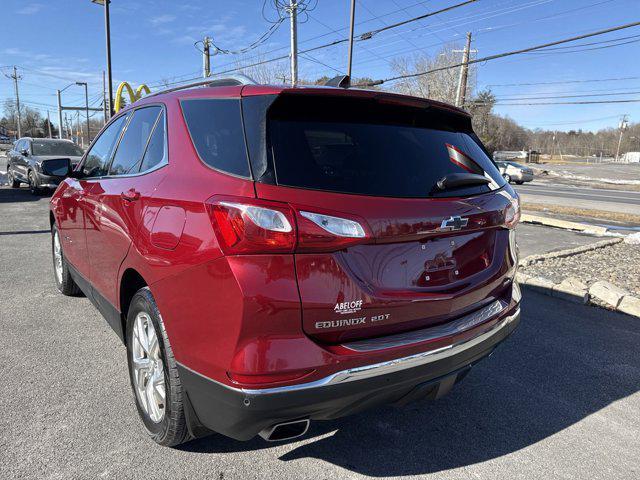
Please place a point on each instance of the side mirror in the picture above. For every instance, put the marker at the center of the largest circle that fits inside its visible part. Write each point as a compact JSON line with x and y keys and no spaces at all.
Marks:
{"x":57,"y":167}
{"x":24,"y":152}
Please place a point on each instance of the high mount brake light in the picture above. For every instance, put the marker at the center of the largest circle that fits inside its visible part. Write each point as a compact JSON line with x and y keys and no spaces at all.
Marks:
{"x":250,"y":226}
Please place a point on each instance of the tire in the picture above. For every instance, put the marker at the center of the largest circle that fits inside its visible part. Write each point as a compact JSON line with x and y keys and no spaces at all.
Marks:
{"x":61,"y":273}
{"x":167,"y":426}
{"x":33,"y":184}
{"x":11,"y":179}
{"x":519,"y":182}
{"x":507,"y":177}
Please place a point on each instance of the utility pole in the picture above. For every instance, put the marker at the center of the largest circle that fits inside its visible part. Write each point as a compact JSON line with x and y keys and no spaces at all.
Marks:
{"x":206,"y":57}
{"x":464,"y":73}
{"x":107,"y":31}
{"x":86,"y":106}
{"x":293,"y":15}
{"x":107,"y":27}
{"x":622,"y":126}
{"x":353,"y":16}
{"x":104,"y":98}
{"x":49,"y":124}
{"x":15,"y":78}
{"x":60,"y":135}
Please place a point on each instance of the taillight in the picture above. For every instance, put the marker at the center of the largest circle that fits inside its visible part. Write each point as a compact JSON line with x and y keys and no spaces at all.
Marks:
{"x":252,"y":226}
{"x":512,"y":212}
{"x":321,"y":232}
{"x":248,"y":225}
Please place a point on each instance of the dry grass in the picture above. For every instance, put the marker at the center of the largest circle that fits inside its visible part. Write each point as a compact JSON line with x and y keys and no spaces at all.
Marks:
{"x":582,"y":212}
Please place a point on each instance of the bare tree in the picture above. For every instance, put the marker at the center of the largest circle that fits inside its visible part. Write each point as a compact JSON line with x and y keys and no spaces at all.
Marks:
{"x":265,"y":73}
{"x":440,"y":85}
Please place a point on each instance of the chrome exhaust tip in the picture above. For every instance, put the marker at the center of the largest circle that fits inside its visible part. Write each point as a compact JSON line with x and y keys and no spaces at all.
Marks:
{"x":285,"y":431}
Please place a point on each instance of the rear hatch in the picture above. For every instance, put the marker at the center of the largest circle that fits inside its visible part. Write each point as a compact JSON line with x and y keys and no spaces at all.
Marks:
{"x":425,"y":254}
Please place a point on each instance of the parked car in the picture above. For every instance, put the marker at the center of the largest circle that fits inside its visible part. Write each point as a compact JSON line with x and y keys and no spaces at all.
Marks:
{"x":274,"y":255}
{"x":38,"y":162}
{"x":514,"y":172}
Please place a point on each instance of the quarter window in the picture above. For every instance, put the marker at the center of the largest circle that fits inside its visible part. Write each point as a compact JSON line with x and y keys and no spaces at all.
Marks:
{"x":96,"y":162}
{"x":134,"y":141}
{"x":155,"y":149}
{"x":215,"y":127}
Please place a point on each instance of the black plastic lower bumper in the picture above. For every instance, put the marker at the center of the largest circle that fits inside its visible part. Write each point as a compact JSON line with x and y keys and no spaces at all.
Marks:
{"x":242,"y":414}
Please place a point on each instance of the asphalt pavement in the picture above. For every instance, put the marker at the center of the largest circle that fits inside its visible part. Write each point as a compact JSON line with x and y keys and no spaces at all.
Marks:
{"x":558,"y":400}
{"x":624,"y":201}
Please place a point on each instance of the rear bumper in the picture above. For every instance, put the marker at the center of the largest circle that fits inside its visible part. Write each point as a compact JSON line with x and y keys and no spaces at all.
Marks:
{"x":243,"y":413}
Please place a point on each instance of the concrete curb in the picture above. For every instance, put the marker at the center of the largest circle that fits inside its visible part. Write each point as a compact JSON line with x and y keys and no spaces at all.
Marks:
{"x":564,"y":224}
{"x":599,"y":294}
{"x":531,"y":259}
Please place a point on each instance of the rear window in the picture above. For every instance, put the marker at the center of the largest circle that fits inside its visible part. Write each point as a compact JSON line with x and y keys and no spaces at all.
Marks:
{"x":48,"y":147}
{"x":215,"y":126}
{"x":363,"y":147}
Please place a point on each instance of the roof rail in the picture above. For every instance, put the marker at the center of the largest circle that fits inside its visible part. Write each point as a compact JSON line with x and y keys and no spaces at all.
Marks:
{"x":214,"y":81}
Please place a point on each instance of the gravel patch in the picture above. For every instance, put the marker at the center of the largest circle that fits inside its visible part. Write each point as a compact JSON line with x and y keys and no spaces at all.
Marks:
{"x":618,"y":264}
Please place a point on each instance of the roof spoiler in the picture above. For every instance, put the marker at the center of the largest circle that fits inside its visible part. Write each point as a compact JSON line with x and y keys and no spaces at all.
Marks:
{"x":341,"y":81}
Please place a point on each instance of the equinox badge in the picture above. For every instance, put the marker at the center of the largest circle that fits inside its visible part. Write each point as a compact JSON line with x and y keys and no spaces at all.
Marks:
{"x":453,"y":223}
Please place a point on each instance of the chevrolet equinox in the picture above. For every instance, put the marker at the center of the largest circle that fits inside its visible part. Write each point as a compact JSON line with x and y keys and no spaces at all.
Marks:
{"x":272,"y":255}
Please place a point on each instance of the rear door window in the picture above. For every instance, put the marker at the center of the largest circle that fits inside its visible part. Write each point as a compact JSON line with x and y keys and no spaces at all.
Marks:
{"x":215,"y":126}
{"x":96,"y":163}
{"x":134,"y":141}
{"x":372,"y":153}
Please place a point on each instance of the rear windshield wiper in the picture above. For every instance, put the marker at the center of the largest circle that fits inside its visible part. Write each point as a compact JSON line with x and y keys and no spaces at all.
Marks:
{"x":456,"y":180}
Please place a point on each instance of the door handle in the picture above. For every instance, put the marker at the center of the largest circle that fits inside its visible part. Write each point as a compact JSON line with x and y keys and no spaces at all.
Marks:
{"x":130,"y":195}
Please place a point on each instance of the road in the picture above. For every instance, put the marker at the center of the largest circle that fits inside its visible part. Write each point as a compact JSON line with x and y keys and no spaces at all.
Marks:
{"x":580,"y":197}
{"x":560,"y":399}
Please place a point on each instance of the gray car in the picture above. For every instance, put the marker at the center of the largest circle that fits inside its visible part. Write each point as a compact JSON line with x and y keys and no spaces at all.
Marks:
{"x":40,"y":162}
{"x":514,"y":172}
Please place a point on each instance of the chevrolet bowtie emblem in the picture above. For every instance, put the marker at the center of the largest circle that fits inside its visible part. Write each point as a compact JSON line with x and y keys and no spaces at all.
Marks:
{"x":453,"y":223}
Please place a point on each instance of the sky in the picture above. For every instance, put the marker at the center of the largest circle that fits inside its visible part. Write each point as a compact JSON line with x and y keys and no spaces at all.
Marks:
{"x":57,"y":43}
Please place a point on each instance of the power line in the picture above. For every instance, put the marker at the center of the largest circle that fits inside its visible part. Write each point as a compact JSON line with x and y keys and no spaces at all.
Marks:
{"x":368,"y":35}
{"x":588,"y":102}
{"x":505,"y":54}
{"x":360,"y":37}
{"x":577,"y":50}
{"x":562,"y":82}
{"x":572,"y":96}
{"x":575,"y":122}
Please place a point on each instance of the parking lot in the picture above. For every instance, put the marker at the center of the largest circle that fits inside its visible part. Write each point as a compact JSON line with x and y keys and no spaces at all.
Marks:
{"x":560,"y":399}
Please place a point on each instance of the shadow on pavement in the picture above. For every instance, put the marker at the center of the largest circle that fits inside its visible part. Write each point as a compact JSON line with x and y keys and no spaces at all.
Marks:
{"x":25,"y":232}
{"x":13,"y":195}
{"x":564,"y":363}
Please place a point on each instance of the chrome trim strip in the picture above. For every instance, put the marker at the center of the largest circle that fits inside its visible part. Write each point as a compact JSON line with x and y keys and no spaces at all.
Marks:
{"x":448,"y":329}
{"x":382,"y":368}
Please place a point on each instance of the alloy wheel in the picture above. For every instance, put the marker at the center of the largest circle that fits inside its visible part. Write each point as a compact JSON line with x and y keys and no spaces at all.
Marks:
{"x":57,"y":256}
{"x":148,"y":368}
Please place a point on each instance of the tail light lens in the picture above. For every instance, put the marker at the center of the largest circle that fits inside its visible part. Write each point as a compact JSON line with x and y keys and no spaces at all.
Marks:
{"x":321,"y":232}
{"x":512,"y":213}
{"x":252,"y":226}
{"x":249,"y":226}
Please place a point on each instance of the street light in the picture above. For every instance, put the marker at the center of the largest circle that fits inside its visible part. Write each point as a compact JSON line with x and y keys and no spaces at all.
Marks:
{"x":107,"y":29}
{"x":86,"y":106}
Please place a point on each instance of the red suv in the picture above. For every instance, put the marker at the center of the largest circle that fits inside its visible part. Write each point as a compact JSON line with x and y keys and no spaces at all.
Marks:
{"x":273,"y":255}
